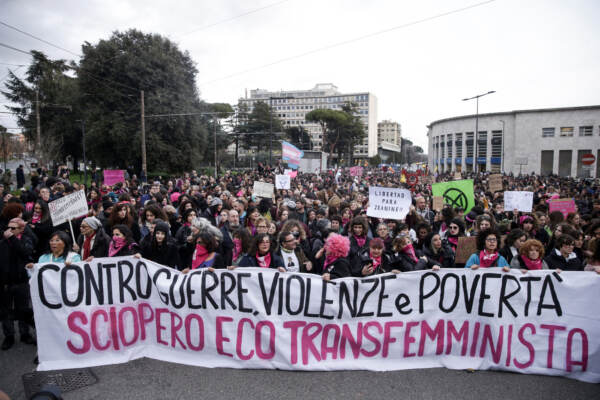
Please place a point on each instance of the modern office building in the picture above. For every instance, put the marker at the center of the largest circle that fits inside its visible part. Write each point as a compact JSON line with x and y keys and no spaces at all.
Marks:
{"x":390,"y":132}
{"x":542,"y":141}
{"x":291,"y":106}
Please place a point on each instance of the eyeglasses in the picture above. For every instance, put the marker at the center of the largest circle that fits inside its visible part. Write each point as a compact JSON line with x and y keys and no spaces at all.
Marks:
{"x":453,"y":227}
{"x":289,"y":240}
{"x":296,"y":234}
{"x":261,"y":226}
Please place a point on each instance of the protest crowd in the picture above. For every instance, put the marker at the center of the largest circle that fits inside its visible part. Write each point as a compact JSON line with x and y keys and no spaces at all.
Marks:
{"x":320,"y":225}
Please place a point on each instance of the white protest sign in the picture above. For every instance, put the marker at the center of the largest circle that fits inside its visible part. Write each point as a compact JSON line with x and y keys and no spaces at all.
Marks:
{"x":389,"y":203}
{"x":282,"y":181}
{"x":536,"y":323}
{"x":263,"y":189}
{"x":521,"y":201}
{"x":68,"y":207}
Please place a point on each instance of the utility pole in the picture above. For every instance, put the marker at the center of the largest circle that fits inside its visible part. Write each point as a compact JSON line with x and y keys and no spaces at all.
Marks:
{"x":4,"y":145}
{"x":38,"y":128}
{"x":84,"y":159}
{"x":215,"y":139}
{"x":144,"y":166}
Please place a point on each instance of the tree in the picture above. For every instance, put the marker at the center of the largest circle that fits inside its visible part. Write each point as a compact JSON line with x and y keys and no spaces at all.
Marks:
{"x":255,"y":127}
{"x":58,"y":95}
{"x":353,"y":131}
{"x":111,"y":75}
{"x":375,"y":160}
{"x":332,"y":123}
{"x":298,"y":136}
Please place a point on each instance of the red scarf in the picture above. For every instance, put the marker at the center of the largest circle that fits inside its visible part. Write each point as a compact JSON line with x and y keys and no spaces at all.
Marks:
{"x":200,"y":255}
{"x":87,"y":244}
{"x":37,"y":217}
{"x":487,"y":260}
{"x":532,"y":264}
{"x":264,"y":261}
{"x":360,"y":240}
{"x":376,"y":262}
{"x":329,"y":259}
{"x":237,"y":248}
{"x":116,"y":245}
{"x":410,"y":251}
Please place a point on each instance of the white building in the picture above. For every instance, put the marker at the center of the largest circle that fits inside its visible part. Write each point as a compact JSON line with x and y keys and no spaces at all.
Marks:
{"x":543,"y":141}
{"x":390,"y":132}
{"x":291,"y":106}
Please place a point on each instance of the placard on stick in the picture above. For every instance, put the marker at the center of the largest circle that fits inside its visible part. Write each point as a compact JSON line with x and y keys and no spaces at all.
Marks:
{"x":438,"y":203}
{"x":467,"y":245}
{"x":68,"y":207}
{"x":495,"y":183}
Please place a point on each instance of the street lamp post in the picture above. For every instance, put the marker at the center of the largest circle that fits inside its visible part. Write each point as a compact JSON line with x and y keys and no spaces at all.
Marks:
{"x":502,"y":161}
{"x":476,"y":136}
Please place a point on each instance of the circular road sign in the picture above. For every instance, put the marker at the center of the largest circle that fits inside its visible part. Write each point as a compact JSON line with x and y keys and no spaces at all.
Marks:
{"x":588,"y":159}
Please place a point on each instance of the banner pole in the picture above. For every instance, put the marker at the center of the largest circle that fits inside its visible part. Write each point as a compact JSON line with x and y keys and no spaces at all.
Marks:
{"x":72,"y":234}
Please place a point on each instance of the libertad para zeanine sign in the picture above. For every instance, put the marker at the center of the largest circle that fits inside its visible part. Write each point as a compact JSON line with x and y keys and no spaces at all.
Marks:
{"x":118,"y":309}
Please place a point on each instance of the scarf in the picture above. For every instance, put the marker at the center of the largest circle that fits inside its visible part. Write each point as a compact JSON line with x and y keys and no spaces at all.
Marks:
{"x":376,"y":262}
{"x":187,"y":224}
{"x":329,"y":259}
{"x":252,"y":228}
{"x":200,"y":255}
{"x":345,"y":221}
{"x":360,"y":240}
{"x":116,"y":244}
{"x":532,"y":264}
{"x":487,"y":260}
{"x":37,"y":217}
{"x":264,"y":261}
{"x":410,"y":251}
{"x":87,"y":244}
{"x":237,"y":248}
{"x":453,"y":240}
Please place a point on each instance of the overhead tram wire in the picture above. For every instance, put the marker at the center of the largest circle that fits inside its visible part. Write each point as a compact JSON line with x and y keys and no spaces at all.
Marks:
{"x":37,"y":38}
{"x":231,"y":18}
{"x":345,"y":42}
{"x":15,"y":49}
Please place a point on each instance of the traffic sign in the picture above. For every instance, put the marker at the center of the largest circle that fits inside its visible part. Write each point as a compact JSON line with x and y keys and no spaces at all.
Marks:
{"x":588,"y":159}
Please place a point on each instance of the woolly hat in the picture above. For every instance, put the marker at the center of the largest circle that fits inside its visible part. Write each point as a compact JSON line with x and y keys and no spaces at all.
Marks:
{"x":161,"y":226}
{"x":93,"y":222}
{"x":216,"y":202}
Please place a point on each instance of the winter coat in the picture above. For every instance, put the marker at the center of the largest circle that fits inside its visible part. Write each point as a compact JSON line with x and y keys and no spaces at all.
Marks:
{"x":444,"y":258}
{"x":14,"y":255}
{"x":556,"y":261}
{"x":517,"y":262}
{"x":226,"y":245}
{"x":251,"y":261}
{"x":100,"y":245}
{"x":355,"y":248}
{"x":302,"y":259}
{"x":43,"y":231}
{"x":340,"y":268}
{"x":167,"y":254}
{"x":404,"y":263}
{"x":364,"y":257}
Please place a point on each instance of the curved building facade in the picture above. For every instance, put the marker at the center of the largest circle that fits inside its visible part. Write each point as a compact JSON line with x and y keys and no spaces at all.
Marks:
{"x":544,"y":141}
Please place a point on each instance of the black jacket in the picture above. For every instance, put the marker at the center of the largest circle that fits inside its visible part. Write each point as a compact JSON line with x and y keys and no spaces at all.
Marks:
{"x":14,"y":255}
{"x":100,"y":246}
{"x":167,"y":254}
{"x":555,"y":261}
{"x":364,"y":257}
{"x":506,"y":253}
{"x":251,"y":261}
{"x":355,"y":248}
{"x":444,"y":258}
{"x":226,"y":246}
{"x":404,"y":263}
{"x":340,"y":268}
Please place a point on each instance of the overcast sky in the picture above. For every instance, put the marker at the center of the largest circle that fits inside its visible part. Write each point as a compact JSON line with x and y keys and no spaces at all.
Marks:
{"x":533,"y":53}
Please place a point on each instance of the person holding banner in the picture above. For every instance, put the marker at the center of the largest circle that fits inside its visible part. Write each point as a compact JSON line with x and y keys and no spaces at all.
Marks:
{"x":530,"y":257}
{"x":405,"y":258}
{"x":488,"y":256}
{"x":60,"y":250}
{"x":562,"y":256}
{"x":16,"y":249}
{"x":122,"y":242}
{"x":373,"y":261}
{"x":162,"y":248}
{"x":260,"y":255}
{"x":93,"y":241}
{"x":336,"y":263}
{"x":438,"y":252}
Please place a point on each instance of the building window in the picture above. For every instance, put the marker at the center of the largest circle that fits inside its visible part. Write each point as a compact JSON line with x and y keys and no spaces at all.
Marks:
{"x":547,"y":132}
{"x":566,"y":131}
{"x":585,"y":130}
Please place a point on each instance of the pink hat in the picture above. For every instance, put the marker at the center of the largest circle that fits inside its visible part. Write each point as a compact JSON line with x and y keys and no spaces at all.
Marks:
{"x":175,"y":197}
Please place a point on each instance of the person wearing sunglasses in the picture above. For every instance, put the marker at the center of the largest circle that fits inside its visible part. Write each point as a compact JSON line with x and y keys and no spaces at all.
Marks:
{"x":293,"y":257}
{"x":456,"y":229}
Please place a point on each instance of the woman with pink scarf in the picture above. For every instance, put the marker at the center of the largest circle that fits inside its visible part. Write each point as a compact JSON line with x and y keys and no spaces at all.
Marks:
{"x":531,"y":257}
{"x":487,"y":255}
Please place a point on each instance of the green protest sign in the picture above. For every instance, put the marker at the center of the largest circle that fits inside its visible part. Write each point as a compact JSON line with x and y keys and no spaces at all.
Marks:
{"x":456,"y":193}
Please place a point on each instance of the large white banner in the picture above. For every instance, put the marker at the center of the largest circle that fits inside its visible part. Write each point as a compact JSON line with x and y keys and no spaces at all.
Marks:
{"x":68,"y":207}
{"x":389,"y":203}
{"x":113,"y":310}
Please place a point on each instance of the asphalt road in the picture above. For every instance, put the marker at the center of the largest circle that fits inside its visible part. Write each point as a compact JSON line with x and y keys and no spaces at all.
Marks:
{"x":151,"y":379}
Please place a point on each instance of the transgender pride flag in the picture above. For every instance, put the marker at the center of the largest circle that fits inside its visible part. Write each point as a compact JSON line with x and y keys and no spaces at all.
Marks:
{"x":291,"y":154}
